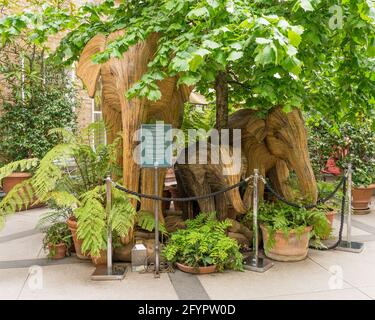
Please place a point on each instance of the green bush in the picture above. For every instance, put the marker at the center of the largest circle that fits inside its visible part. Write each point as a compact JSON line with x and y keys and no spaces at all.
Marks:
{"x":325,"y":140}
{"x":204,"y":243}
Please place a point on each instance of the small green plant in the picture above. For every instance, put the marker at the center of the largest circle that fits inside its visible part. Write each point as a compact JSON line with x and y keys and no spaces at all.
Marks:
{"x":56,"y":234}
{"x":203,"y":243}
{"x":281,"y":217}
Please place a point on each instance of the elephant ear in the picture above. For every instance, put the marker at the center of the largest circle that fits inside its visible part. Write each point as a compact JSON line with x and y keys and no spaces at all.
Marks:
{"x":87,"y":70}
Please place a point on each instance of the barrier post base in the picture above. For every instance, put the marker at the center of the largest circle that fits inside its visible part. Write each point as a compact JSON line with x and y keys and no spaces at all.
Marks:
{"x":355,"y":247}
{"x":101,"y":273}
{"x":257,"y":264}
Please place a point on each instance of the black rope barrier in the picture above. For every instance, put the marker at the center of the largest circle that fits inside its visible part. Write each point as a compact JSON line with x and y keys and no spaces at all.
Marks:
{"x":319,"y":201}
{"x":343,"y":203}
{"x":309,"y":206}
{"x":154,"y":197}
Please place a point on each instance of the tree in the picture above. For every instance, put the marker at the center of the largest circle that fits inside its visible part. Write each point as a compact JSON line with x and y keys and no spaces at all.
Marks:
{"x":263,"y":53}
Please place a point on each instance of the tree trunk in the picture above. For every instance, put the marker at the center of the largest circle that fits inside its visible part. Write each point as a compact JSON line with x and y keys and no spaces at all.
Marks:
{"x":221,"y":88}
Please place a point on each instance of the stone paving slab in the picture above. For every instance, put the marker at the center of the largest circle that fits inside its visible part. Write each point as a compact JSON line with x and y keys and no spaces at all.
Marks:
{"x":73,"y":282}
{"x":284,"y":278}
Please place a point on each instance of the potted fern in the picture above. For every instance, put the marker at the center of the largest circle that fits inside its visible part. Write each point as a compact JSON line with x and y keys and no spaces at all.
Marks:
{"x":287,"y":230}
{"x":72,"y":175}
{"x":204,"y":247}
{"x":57,"y":240}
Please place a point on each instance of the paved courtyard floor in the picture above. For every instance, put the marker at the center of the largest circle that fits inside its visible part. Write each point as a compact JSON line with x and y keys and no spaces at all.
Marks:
{"x":26,"y":273}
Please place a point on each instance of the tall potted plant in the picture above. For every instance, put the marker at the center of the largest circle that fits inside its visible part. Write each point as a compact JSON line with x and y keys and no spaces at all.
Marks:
{"x":287,"y":230}
{"x":72,"y":175}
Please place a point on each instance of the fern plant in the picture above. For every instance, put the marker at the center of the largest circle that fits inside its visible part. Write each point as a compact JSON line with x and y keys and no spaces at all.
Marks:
{"x":204,"y":242}
{"x":281,"y":217}
{"x":71,"y":175}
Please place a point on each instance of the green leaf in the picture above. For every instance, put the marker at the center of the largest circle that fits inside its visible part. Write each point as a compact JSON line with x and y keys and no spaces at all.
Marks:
{"x":189,"y":79}
{"x":235,"y":55}
{"x":265,"y":56}
{"x":195,"y":62}
{"x":294,"y":36}
{"x":153,"y":95}
{"x":198,"y":13}
{"x":306,"y":5}
{"x":210,"y":44}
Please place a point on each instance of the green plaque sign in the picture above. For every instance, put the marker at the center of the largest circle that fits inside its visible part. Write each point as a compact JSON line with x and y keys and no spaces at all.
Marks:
{"x":156,"y":145}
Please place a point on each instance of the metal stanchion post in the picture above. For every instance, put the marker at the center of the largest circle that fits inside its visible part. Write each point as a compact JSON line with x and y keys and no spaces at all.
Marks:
{"x":156,"y":247}
{"x":254,"y":262}
{"x":109,"y":272}
{"x":349,"y":245}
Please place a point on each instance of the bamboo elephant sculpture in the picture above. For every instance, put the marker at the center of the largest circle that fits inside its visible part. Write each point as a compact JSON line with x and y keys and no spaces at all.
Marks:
{"x":274,"y":145}
{"x":116,"y":76}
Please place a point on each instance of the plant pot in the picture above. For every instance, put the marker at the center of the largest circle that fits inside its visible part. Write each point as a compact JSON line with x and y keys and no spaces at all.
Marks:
{"x":72,"y":224}
{"x":101,"y":259}
{"x":12,"y":180}
{"x":291,"y":248}
{"x":59,"y":249}
{"x":361,"y":197}
{"x":196,"y":270}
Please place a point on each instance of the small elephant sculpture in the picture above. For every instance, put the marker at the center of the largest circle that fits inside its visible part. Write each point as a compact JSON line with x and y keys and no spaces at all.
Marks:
{"x":114,"y":78}
{"x":275,"y":145}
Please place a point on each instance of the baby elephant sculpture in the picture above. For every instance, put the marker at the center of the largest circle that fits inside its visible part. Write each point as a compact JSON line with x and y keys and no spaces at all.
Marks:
{"x":275,"y":145}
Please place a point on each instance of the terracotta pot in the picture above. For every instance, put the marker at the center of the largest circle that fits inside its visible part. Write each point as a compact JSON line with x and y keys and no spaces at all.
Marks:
{"x":196,"y":270}
{"x":291,"y":248}
{"x":59,"y":249}
{"x":72,"y":224}
{"x":102,"y":259}
{"x":362,"y":197}
{"x":15,"y":178}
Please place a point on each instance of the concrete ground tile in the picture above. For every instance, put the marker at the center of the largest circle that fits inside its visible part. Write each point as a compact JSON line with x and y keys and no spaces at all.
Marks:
{"x":73,"y":282}
{"x":23,"y":248}
{"x":11,"y":283}
{"x":370,"y":291}
{"x":357,"y":268}
{"x":282,"y":279}
{"x":345,"y":294}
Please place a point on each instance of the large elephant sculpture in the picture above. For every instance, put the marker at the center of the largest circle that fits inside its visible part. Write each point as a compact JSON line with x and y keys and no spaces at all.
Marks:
{"x":275,"y":145}
{"x":114,"y":78}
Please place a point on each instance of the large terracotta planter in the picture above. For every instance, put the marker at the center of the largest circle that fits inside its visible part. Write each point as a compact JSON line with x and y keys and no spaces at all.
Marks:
{"x":72,"y":224}
{"x":196,"y":270}
{"x":362,"y":197}
{"x":12,"y":180}
{"x":291,"y":248}
{"x":59,"y":251}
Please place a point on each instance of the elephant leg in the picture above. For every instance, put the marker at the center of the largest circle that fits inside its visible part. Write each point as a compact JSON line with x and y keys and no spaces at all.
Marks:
{"x":279,"y":175}
{"x":148,"y":187}
{"x":221,"y":207}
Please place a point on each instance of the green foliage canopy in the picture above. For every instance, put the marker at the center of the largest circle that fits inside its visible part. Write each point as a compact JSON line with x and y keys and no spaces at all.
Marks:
{"x":290,"y":53}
